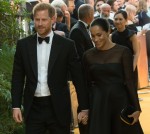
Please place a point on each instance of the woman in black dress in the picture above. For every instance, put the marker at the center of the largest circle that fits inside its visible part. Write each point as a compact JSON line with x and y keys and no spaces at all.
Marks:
{"x":109,"y":73}
{"x":124,"y":36}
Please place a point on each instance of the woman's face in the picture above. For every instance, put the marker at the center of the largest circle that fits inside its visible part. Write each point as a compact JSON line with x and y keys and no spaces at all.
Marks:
{"x":99,"y":36}
{"x":120,"y":21}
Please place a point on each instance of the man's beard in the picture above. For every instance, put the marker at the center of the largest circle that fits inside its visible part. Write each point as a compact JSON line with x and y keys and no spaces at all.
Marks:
{"x":104,"y":16}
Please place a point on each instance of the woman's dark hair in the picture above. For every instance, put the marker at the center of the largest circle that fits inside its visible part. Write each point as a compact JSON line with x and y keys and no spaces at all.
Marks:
{"x":103,"y":23}
{"x":124,"y":14}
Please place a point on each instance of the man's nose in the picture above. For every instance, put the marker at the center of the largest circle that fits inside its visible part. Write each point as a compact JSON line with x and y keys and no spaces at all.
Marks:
{"x":117,"y":21}
{"x":40,"y":22}
{"x":95,"y":40}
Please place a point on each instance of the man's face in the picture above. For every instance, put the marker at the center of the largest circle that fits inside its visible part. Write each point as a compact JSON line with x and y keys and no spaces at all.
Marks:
{"x":42,"y":22}
{"x":71,"y":6}
{"x":105,"y":12}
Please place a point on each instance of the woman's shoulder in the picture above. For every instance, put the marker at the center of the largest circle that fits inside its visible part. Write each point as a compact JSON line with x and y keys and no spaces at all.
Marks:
{"x":130,"y":32}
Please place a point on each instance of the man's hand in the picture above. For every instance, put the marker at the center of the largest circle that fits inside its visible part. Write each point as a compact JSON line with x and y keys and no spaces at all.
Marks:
{"x":67,"y":19}
{"x":17,"y":115}
{"x":83,"y":117}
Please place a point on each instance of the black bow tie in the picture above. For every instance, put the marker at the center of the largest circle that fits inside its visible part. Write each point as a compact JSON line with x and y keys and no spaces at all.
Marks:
{"x":41,"y":39}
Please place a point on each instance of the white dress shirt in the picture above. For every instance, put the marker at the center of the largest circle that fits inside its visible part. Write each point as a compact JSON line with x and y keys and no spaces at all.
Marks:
{"x":43,"y":54}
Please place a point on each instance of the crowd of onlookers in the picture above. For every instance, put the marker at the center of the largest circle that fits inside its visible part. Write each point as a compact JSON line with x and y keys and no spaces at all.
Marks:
{"x":138,"y":16}
{"x":138,"y":12}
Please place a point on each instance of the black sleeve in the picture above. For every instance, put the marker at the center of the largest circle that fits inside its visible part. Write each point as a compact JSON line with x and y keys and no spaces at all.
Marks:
{"x":18,"y":78}
{"x":127,"y":61}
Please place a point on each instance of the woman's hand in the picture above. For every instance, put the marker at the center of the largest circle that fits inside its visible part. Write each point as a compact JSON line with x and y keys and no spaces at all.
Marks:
{"x":135,"y":115}
{"x":83,"y":117}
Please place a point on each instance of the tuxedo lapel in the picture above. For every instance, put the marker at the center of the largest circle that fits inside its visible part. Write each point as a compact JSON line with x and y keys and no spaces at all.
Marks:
{"x":85,"y":32}
{"x":55,"y":49}
{"x":32,"y":46}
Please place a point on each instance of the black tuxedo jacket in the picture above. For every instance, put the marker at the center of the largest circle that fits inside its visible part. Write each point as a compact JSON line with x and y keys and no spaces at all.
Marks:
{"x":62,"y":58}
{"x":81,"y":37}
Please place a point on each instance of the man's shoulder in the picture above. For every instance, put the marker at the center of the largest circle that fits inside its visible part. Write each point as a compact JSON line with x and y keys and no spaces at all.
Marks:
{"x":77,"y":28}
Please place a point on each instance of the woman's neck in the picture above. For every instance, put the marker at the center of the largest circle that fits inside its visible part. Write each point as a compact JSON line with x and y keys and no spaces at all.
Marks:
{"x":107,"y":45}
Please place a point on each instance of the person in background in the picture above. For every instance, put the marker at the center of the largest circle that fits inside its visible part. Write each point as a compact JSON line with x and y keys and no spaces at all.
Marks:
{"x":114,"y":7}
{"x":109,"y":72}
{"x":126,"y":37}
{"x":60,"y":15}
{"x":131,"y":2}
{"x":143,"y":13}
{"x":77,"y":3}
{"x":148,"y":7}
{"x":61,"y":4}
{"x":121,"y":4}
{"x":59,"y":27}
{"x":80,"y":32}
{"x":97,"y":6}
{"x":105,"y":14}
{"x":71,"y":6}
{"x":132,"y":20}
{"x":38,"y":80}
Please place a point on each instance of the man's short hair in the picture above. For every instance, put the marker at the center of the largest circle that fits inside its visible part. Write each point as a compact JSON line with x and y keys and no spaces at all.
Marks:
{"x":105,"y":5}
{"x":44,"y":6}
{"x":58,"y":3}
{"x":84,"y":11}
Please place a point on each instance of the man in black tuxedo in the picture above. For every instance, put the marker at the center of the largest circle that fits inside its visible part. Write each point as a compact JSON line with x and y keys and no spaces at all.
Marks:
{"x":80,"y":34}
{"x":40,"y":71}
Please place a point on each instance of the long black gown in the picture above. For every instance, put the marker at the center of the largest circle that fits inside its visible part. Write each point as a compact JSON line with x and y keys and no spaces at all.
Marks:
{"x":110,"y":78}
